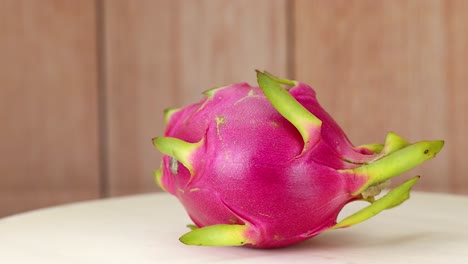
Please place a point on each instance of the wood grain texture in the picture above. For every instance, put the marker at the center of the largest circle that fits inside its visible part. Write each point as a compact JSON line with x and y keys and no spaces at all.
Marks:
{"x":456,"y":19}
{"x":382,"y":66}
{"x":162,"y":54}
{"x":49,"y":147}
{"x":377,"y":66}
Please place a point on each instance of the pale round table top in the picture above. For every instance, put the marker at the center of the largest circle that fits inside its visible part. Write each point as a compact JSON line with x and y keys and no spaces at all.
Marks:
{"x":428,"y":228}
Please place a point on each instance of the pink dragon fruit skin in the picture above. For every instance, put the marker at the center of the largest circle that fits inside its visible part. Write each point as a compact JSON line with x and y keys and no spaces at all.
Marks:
{"x":267,"y":167}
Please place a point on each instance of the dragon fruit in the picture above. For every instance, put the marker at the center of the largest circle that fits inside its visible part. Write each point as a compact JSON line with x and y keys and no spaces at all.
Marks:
{"x":268,"y":167}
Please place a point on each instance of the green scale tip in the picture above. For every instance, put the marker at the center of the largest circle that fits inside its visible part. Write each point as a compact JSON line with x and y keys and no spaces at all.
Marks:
{"x":307,"y":124}
{"x":178,"y":149}
{"x":396,"y":163}
{"x":216,"y":235}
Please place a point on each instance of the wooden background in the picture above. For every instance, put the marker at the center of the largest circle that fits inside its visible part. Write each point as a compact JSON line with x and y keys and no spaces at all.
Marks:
{"x":83,"y":83}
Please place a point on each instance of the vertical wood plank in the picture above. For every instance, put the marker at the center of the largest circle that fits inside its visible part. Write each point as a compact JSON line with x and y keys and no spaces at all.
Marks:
{"x":456,"y":17}
{"x":382,"y":66}
{"x":163,"y":54}
{"x":49,"y":144}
